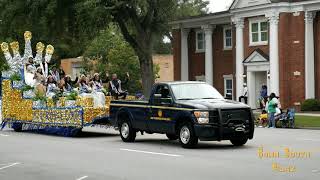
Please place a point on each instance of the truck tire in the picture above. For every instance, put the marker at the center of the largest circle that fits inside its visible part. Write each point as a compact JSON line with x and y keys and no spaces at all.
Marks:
{"x":239,"y":141}
{"x":187,"y":137}
{"x":127,"y":133}
{"x":172,"y":137}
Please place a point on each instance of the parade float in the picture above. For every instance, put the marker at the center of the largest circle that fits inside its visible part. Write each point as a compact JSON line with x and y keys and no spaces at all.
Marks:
{"x":23,"y":109}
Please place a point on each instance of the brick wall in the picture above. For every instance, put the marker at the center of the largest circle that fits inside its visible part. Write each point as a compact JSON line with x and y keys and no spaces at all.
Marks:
{"x":196,"y":59}
{"x":223,"y":61}
{"x":291,"y":57}
{"x":165,"y":62}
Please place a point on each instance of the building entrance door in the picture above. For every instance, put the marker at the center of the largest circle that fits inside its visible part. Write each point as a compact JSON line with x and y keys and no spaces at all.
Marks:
{"x":255,"y":81}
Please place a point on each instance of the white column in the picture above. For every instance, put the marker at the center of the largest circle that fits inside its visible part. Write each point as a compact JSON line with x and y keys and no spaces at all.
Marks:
{"x":184,"y":55}
{"x":309,"y":56}
{"x":208,"y":29}
{"x":239,"y":23}
{"x":274,"y":54}
{"x":251,"y":81}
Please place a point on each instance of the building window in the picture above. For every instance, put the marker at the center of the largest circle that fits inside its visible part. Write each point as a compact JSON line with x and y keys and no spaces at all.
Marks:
{"x":200,"y":41}
{"x":227,"y":36}
{"x":228,"y":87}
{"x":258,"y":32}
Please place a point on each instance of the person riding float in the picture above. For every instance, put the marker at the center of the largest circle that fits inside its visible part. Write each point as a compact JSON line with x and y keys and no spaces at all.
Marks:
{"x":115,"y":86}
{"x":97,"y":91}
{"x":51,"y":87}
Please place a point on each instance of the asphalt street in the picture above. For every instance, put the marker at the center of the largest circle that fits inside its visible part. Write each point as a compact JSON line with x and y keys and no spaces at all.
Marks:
{"x":30,"y":156}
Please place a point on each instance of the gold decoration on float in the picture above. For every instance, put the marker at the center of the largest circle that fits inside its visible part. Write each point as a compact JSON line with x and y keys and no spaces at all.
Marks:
{"x":27,"y":35}
{"x":50,"y":49}
{"x":40,"y":47}
{"x":15,"y":47}
{"x":4,"y":47}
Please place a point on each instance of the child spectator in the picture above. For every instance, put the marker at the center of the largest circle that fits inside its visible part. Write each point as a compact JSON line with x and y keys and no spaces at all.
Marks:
{"x":263,"y":119}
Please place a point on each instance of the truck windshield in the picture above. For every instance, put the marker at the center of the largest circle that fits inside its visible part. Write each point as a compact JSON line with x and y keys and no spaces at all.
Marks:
{"x":195,"y":91}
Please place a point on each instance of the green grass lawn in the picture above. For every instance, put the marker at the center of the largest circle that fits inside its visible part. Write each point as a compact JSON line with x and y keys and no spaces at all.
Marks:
{"x":307,"y":121}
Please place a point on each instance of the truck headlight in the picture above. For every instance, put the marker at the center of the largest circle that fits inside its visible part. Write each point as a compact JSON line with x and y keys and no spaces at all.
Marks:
{"x":202,"y":117}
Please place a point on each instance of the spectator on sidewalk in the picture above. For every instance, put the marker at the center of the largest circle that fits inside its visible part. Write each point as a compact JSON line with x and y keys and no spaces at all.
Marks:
{"x":272,"y":109}
{"x":244,"y":94}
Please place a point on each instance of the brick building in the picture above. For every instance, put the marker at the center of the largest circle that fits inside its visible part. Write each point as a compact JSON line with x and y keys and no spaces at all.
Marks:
{"x":257,"y":42}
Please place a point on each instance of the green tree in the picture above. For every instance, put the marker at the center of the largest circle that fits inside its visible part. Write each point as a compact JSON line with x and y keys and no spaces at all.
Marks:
{"x":50,"y":21}
{"x":142,"y":21}
{"x":110,"y":53}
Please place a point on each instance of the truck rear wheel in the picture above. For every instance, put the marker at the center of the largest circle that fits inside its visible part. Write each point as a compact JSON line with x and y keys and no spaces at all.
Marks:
{"x":239,"y":142}
{"x":127,"y":133}
{"x":187,"y":137}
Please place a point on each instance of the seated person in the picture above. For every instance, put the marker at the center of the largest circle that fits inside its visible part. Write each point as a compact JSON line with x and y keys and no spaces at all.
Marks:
{"x":52,"y":87}
{"x":115,"y":86}
{"x":38,"y":76}
{"x":41,"y":88}
{"x":99,"y":99}
{"x":29,"y":72}
{"x":67,"y":84}
{"x":84,"y":89}
{"x":263,"y":119}
{"x":97,"y":83}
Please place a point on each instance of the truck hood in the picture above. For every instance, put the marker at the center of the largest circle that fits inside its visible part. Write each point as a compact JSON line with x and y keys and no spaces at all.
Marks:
{"x":210,"y":104}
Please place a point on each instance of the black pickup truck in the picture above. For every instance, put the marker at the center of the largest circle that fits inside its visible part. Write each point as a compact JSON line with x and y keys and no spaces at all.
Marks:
{"x":187,"y":111}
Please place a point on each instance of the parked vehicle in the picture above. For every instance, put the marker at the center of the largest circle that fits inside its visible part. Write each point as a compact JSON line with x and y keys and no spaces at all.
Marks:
{"x":187,"y":111}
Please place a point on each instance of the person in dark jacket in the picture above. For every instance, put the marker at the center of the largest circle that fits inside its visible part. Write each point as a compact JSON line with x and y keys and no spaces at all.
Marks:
{"x":115,"y":86}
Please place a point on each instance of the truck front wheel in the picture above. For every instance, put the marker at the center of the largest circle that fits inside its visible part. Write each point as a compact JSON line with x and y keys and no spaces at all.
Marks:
{"x":127,"y":133}
{"x":187,"y":136}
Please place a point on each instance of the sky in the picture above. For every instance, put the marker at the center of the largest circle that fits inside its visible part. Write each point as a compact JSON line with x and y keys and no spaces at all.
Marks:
{"x":219,"y":5}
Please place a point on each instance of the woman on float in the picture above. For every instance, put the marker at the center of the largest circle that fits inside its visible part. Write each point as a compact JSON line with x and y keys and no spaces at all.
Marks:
{"x":51,"y":87}
{"x":29,"y":73}
{"x":99,"y":98}
{"x":68,"y":84}
{"x":40,"y":81}
{"x":84,"y":88}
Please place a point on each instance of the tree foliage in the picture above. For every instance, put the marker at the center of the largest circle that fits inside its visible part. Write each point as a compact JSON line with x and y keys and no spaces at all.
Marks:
{"x":110,"y":53}
{"x":71,"y":25}
{"x":51,"y":21}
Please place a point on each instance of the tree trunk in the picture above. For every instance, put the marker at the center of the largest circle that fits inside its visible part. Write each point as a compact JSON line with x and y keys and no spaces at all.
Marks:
{"x":147,"y":74}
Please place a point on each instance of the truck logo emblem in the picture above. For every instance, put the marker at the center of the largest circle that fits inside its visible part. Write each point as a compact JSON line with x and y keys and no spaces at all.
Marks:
{"x":239,"y":129}
{"x":160,"y":113}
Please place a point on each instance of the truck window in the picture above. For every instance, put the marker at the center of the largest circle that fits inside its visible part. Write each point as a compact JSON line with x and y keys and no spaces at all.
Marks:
{"x":162,"y":95}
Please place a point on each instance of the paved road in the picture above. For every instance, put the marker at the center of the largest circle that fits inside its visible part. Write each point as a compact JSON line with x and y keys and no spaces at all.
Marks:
{"x":29,"y":156}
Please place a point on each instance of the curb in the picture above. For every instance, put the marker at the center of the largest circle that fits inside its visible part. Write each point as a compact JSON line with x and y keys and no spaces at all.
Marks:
{"x":309,"y":128}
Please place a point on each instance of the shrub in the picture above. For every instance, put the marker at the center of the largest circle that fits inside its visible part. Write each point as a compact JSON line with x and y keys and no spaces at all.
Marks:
{"x":15,"y":77}
{"x":26,"y":88}
{"x":40,"y":97}
{"x":72,"y":96}
{"x":310,"y":105}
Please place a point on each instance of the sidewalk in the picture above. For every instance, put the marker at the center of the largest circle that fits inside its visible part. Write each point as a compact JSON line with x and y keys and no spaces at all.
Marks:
{"x":313,"y":114}
{"x":309,"y":113}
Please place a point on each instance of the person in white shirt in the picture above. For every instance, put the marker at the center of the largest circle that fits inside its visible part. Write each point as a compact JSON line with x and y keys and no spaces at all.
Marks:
{"x":244,"y":94}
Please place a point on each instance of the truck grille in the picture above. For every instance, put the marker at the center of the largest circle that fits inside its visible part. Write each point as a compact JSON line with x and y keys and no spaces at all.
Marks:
{"x":213,"y":117}
{"x":236,"y":116}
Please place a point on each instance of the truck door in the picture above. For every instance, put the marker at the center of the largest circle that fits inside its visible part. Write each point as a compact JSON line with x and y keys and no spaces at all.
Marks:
{"x":161,"y":111}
